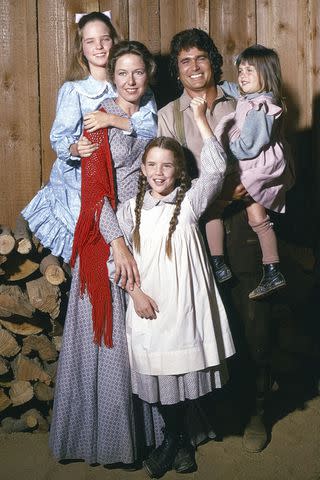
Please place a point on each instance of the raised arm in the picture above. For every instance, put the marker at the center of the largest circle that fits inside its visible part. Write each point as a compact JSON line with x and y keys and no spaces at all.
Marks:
{"x":212,"y":173}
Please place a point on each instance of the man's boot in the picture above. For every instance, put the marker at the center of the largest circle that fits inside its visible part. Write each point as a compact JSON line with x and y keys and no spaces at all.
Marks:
{"x":255,"y":437}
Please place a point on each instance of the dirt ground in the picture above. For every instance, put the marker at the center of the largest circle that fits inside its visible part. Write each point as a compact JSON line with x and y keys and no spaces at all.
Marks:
{"x":292,"y":454}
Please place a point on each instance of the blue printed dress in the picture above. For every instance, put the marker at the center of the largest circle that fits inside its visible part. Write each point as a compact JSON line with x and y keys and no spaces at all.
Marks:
{"x":94,"y":416}
{"x":53,"y":213}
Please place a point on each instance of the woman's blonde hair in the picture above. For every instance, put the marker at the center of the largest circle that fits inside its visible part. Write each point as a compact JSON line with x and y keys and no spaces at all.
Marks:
{"x":182,"y":180}
{"x":78,"y":67}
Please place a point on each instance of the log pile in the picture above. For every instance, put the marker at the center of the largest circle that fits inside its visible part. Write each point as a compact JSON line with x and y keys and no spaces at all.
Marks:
{"x":33,"y":297}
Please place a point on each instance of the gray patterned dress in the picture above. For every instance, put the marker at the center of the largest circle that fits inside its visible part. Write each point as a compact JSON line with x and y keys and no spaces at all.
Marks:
{"x":93,"y":416}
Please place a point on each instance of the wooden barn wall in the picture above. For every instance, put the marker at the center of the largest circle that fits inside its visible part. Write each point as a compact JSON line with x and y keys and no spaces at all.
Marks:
{"x":36,"y":36}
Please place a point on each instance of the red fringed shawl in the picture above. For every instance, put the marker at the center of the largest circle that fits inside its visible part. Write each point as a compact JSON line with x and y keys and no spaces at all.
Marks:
{"x":96,"y":183}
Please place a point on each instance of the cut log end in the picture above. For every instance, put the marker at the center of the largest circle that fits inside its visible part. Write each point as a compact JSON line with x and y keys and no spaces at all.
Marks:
{"x":7,"y":244}
{"x":51,"y":269}
{"x":24,"y":246}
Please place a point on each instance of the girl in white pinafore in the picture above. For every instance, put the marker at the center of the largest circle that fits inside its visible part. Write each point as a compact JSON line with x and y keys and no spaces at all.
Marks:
{"x":177,"y":329}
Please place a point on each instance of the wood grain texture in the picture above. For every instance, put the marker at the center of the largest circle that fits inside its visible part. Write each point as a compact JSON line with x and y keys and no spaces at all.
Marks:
{"x":37,"y":37}
{"x":233,"y":28}
{"x":285,"y":26}
{"x":180,"y":15}
{"x":119,"y":15}
{"x":19,"y":104}
{"x":144,"y":23}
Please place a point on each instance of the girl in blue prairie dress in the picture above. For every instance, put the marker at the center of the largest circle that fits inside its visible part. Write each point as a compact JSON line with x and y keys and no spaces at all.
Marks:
{"x":52,"y":214}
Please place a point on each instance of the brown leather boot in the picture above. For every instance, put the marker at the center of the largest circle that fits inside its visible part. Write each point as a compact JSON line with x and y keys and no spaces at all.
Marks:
{"x":255,"y":437}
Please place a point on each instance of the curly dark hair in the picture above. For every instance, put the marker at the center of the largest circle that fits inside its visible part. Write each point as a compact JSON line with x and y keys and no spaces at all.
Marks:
{"x":194,"y":37}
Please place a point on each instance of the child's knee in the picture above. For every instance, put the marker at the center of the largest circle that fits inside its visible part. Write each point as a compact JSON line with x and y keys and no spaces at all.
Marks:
{"x":262,"y":226}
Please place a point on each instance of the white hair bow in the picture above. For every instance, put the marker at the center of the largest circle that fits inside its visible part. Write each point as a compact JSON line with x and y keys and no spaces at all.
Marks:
{"x":78,"y":16}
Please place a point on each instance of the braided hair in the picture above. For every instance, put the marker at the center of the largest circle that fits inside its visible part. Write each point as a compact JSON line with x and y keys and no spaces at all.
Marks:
{"x":182,"y":180}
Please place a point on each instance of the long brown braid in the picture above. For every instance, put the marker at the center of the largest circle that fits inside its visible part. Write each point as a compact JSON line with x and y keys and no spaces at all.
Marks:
{"x":142,"y":187}
{"x":183,"y":181}
{"x":184,"y":186}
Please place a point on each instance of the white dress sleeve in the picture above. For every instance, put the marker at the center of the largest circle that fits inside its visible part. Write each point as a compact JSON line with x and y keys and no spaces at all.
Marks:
{"x":209,"y":184}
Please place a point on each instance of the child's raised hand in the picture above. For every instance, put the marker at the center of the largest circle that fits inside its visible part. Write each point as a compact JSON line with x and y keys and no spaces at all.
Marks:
{"x":199,"y":106}
{"x":144,"y":305}
{"x":95,"y":120}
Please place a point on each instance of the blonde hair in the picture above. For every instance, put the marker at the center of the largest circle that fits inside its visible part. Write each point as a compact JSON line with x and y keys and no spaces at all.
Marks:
{"x":182,"y":180}
{"x":78,"y":67}
{"x":266,"y":62}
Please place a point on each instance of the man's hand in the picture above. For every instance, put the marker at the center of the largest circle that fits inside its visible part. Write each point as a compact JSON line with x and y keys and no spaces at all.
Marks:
{"x":232,"y":189}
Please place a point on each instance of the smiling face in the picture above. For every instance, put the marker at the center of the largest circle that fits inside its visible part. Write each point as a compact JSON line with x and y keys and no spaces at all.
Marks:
{"x":248,"y":78}
{"x":96,"y":43}
{"x":195,"y":71}
{"x":160,"y":170}
{"x":130,"y":78}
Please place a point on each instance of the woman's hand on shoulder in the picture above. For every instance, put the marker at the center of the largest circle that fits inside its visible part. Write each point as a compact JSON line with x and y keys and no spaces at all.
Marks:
{"x":93,"y":121}
{"x":125,"y":265}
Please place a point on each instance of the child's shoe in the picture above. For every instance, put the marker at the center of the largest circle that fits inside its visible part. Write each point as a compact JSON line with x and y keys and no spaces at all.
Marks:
{"x":221,"y":271}
{"x":272,"y":279}
{"x":161,"y":459}
{"x":184,"y":461}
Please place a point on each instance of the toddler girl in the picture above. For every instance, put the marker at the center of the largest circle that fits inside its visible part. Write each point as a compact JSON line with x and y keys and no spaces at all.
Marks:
{"x":253,"y":136}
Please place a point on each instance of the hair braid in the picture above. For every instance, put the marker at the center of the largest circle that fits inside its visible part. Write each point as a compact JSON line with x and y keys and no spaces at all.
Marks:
{"x":184,"y":186}
{"x":142,"y":187}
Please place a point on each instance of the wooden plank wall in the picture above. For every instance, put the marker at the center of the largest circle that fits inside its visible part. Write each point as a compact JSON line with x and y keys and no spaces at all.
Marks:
{"x":36,"y":36}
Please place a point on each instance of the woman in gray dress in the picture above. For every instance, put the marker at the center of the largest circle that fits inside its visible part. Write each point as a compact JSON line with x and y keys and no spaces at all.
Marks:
{"x":93,"y":415}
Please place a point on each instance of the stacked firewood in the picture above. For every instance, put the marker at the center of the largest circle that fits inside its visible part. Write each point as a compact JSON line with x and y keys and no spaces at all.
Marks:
{"x":33,"y":297}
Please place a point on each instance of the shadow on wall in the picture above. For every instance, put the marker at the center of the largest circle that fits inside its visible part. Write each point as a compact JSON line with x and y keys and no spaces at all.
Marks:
{"x":166,"y":88}
{"x":300,"y":224}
